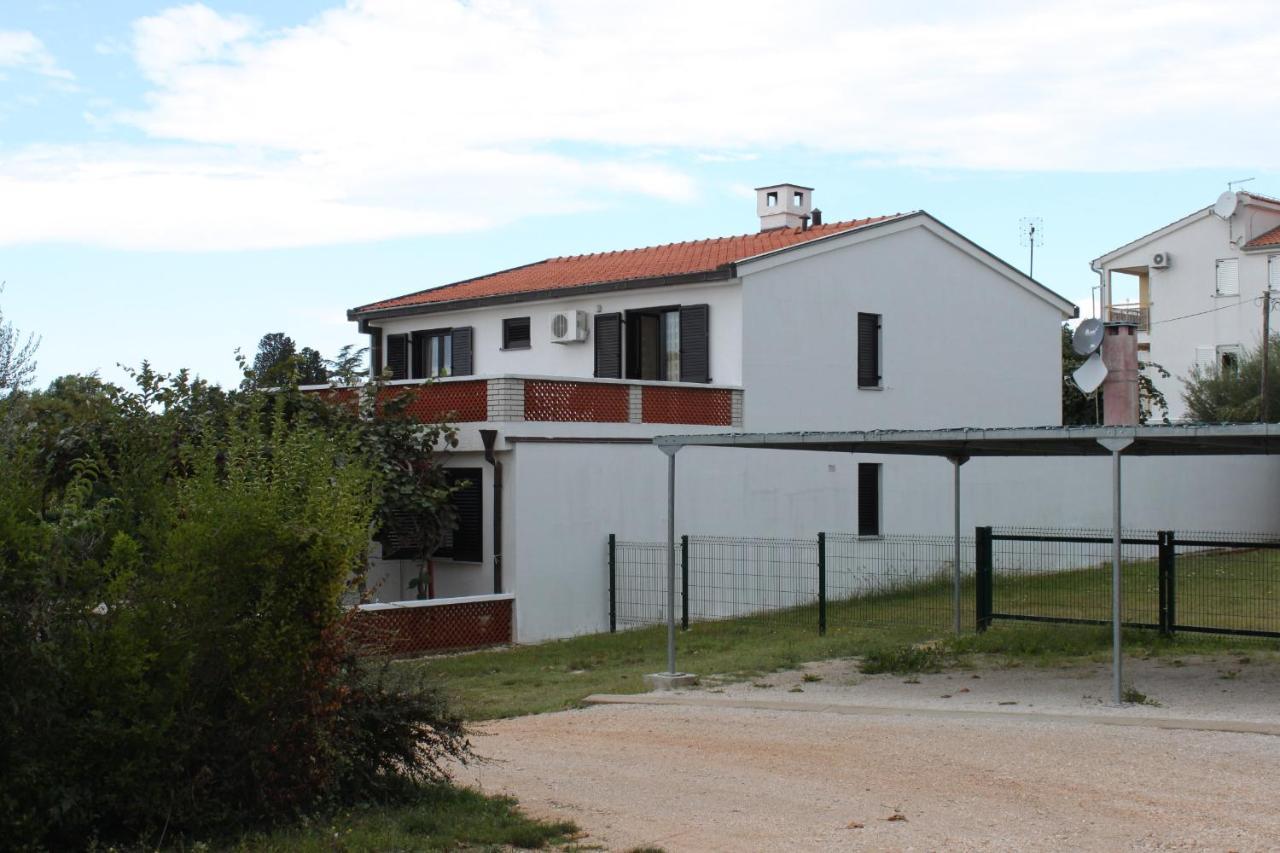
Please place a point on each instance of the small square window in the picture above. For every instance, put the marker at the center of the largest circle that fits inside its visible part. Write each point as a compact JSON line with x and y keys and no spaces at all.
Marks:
{"x":515,"y":333}
{"x":798,"y":200}
{"x":771,"y":200}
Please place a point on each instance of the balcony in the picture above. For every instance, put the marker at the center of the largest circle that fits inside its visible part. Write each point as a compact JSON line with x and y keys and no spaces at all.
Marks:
{"x":563,"y":400}
{"x":1130,"y":312}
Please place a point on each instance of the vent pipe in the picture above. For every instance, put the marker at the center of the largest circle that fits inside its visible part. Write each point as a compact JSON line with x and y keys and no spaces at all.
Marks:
{"x":817,"y":217}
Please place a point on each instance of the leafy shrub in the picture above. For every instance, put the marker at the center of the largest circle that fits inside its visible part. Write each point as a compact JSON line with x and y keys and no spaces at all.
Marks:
{"x":174,"y":654}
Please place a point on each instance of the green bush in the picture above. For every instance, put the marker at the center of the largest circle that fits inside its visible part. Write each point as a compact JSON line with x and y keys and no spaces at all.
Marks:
{"x":174,"y":653}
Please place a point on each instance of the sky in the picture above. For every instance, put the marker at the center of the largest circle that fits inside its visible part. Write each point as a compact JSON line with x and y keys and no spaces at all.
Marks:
{"x":177,"y":180}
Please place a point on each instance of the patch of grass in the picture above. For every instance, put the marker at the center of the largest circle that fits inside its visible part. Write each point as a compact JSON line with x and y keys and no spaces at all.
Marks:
{"x":442,"y":818}
{"x":811,"y":677}
{"x":1134,"y":696}
{"x":536,"y":679}
{"x":906,"y":660}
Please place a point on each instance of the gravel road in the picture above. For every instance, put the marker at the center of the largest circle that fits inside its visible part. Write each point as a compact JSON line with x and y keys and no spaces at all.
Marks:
{"x":831,"y":777}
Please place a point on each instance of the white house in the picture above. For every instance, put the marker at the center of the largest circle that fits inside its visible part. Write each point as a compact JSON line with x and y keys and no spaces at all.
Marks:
{"x":569,"y":366}
{"x":1194,"y":286}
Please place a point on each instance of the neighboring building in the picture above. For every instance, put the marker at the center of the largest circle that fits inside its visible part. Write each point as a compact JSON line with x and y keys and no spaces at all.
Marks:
{"x":1195,"y":287}
{"x":576,"y":362}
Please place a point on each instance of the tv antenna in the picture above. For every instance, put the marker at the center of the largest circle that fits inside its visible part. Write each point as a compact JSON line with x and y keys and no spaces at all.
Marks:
{"x":1231,"y":185}
{"x":1031,"y":231}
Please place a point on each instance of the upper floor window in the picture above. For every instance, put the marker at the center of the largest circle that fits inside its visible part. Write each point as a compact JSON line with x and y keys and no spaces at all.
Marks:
{"x":1228,"y":277}
{"x":868,"y":350}
{"x":515,"y":333}
{"x":670,"y":343}
{"x":1229,"y":356}
{"x":430,"y":353}
{"x":1273,"y":272}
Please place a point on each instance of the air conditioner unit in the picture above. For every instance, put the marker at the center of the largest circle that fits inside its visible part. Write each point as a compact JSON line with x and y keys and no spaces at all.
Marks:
{"x":569,"y":327}
{"x":1160,"y":261}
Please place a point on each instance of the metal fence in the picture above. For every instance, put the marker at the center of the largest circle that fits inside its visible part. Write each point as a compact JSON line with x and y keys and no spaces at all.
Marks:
{"x":1203,"y":582}
{"x":833,"y":578}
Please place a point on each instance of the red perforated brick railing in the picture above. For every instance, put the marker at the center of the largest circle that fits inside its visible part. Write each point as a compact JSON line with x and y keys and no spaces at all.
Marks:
{"x":711,"y":406}
{"x":435,"y":627}
{"x":454,"y":401}
{"x":575,"y":401}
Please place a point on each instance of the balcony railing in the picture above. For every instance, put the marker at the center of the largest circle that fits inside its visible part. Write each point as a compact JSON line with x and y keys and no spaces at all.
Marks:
{"x":1131,"y":312}
{"x":563,"y":400}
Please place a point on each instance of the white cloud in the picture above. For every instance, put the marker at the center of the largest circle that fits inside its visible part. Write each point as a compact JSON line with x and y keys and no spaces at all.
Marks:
{"x":22,"y":49}
{"x":388,"y":118}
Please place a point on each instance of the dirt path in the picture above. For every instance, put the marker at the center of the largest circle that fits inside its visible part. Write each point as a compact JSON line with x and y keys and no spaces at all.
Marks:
{"x":728,"y":778}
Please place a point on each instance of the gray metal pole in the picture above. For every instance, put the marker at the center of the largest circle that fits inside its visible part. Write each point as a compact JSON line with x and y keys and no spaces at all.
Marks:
{"x":671,"y":560}
{"x":956,"y":462}
{"x":1115,"y":445}
{"x":1116,"y":656}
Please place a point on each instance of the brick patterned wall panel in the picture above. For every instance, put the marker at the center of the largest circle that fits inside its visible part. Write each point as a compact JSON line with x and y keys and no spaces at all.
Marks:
{"x":401,"y":631}
{"x":460,"y":402}
{"x":709,"y":406}
{"x":575,"y":401}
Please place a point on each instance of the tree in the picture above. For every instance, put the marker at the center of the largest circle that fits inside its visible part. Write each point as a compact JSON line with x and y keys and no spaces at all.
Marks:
{"x":311,"y":367}
{"x":17,"y":357}
{"x":271,"y":365}
{"x":347,"y":367}
{"x":1224,"y":394}
{"x":1079,"y":409}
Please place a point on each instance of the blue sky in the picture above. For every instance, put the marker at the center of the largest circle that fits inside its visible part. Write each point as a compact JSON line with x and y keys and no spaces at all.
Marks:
{"x":178,"y":179}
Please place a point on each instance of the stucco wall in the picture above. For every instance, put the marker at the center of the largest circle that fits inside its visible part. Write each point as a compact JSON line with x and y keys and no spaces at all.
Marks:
{"x":961,"y":345}
{"x":545,"y":358}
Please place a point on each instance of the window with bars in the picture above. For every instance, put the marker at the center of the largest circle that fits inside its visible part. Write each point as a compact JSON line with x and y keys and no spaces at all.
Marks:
{"x":868,"y":350}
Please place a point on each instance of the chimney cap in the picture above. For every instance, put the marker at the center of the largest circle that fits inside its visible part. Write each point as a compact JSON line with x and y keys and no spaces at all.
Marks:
{"x":784,"y":184}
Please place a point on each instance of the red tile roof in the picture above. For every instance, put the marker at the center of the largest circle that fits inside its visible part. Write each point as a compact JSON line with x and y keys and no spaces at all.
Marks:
{"x":1271,"y":238}
{"x":673,"y":259}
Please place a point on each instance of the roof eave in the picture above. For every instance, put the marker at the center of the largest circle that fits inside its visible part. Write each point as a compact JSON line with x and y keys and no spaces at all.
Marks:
{"x":725,"y":272}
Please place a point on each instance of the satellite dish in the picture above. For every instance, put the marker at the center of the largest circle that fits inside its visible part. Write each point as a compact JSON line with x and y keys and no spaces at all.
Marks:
{"x":1089,"y":375}
{"x":1087,"y":337}
{"x":1225,"y":205}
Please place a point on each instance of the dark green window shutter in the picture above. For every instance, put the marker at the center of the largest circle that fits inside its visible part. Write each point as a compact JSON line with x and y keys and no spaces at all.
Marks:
{"x":609,"y":346}
{"x":869,"y":499}
{"x":868,"y":350}
{"x":466,"y":544}
{"x":462,"y":363}
{"x":695,"y":343}
{"x":375,"y":352}
{"x":398,"y":356}
{"x":420,"y":358}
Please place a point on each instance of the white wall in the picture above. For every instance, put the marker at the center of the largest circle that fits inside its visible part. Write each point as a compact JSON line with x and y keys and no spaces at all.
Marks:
{"x":578,"y":359}
{"x":961,"y":344}
{"x":1185,"y":310}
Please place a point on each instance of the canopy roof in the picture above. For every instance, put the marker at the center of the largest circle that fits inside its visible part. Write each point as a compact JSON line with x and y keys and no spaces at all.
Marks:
{"x":1190,"y":440}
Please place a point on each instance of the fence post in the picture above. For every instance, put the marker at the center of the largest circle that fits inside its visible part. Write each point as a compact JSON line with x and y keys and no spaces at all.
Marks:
{"x":982,"y":559}
{"x":822,"y":584}
{"x":1171,"y":590}
{"x":684,"y":582}
{"x":1162,"y":577}
{"x":613,"y":583}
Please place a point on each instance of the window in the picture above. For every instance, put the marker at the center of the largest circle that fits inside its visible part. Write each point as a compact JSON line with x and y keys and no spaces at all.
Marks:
{"x":1229,"y":357}
{"x":798,"y":199}
{"x":771,"y":199}
{"x":515,"y":333}
{"x":465,"y":543}
{"x":869,"y":498}
{"x":1273,"y":272}
{"x":868,"y":350}
{"x":441,"y":352}
{"x":1205,"y":359}
{"x":668,"y":344}
{"x":1228,"y":277}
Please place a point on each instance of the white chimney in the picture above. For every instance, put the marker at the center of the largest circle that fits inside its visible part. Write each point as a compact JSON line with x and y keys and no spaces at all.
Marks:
{"x":783,"y":206}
